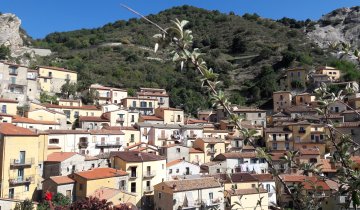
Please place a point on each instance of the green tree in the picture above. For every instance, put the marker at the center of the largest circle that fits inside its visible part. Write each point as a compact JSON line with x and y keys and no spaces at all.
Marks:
{"x":24,"y":205}
{"x":46,"y":98}
{"x":4,"y":52}
{"x":90,"y":96}
{"x":68,"y":89}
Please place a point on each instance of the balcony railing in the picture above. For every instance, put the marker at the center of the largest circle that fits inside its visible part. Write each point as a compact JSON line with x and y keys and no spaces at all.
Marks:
{"x":149,"y":174}
{"x":302,"y":131}
{"x":192,"y":136}
{"x":148,"y":189}
{"x":133,"y":176}
{"x":163,"y":137}
{"x":21,"y":163}
{"x":83,"y":144}
{"x":21,"y":180}
{"x":120,"y":119}
{"x":109,"y":145}
{"x":212,"y":151}
{"x":212,"y":202}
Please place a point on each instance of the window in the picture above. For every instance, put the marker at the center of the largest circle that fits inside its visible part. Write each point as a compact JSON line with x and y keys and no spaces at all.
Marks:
{"x":281,"y":97}
{"x":53,"y":141}
{"x":262,"y":160}
{"x":81,"y":187}
{"x":211,"y":196}
{"x":159,"y":195}
{"x":178,"y":150}
{"x":134,"y":104}
{"x":122,"y":185}
{"x":170,"y":171}
{"x":299,"y":74}
{"x":133,"y":171}
{"x":132,"y":118}
{"x":68,"y":76}
{"x":143,"y":104}
{"x":259,"y":114}
{"x":76,"y":114}
{"x":218,"y":170}
{"x":132,"y":137}
{"x":150,"y":104}
{"x":11,"y":193}
{"x":286,"y":137}
{"x":50,"y":74}
{"x":27,"y":188}
{"x":3,"y":109}
{"x":312,"y":137}
{"x":274,"y":146}
{"x":13,"y":80}
{"x":274,"y":137}
{"x":253,"y":185}
{"x":45,"y":80}
{"x":253,"y":160}
{"x":178,"y":118}
{"x":67,"y":113}
{"x":177,"y":170}
{"x":287,"y":147}
{"x":133,"y":187}
{"x":68,"y":193}
{"x":117,"y":140}
{"x":268,"y":187}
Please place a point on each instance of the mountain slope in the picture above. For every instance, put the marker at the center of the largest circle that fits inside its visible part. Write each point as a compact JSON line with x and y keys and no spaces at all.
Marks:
{"x":248,"y":52}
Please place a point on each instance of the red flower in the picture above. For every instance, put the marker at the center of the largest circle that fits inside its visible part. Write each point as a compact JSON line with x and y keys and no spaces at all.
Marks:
{"x":48,"y":196}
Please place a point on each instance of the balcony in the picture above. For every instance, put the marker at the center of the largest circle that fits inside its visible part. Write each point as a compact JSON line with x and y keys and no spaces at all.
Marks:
{"x":192,"y":205}
{"x":13,"y":72}
{"x":83,"y":144}
{"x":132,"y":176}
{"x":161,"y":103}
{"x":211,"y":151}
{"x":120,"y":120}
{"x":302,"y":131}
{"x":108,"y":145}
{"x":16,"y":88}
{"x":149,"y":174}
{"x":163,"y":137}
{"x":175,"y":136}
{"x":21,"y":180}
{"x":192,"y":136}
{"x":17,"y":163}
{"x":213,"y":202}
{"x":148,"y":189}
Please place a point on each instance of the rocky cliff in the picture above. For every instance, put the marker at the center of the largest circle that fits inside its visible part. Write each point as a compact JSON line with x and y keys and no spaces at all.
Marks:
{"x":341,"y":25}
{"x":12,"y":37}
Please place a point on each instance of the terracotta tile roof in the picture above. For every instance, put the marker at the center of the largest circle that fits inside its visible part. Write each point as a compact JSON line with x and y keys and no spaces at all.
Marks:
{"x":300,"y":108}
{"x":309,"y":151}
{"x":189,"y":184}
{"x":101,"y":173}
{"x":152,"y":94}
{"x":350,"y":111}
{"x":56,"y":68}
{"x":248,"y":109}
{"x":195,"y":121}
{"x":100,"y":87}
{"x":249,"y":191}
{"x":18,"y":119}
{"x":216,"y":131}
{"x":307,"y":181}
{"x":60,"y":180}
{"x":93,"y":119}
{"x":235,"y":155}
{"x":59,"y":156}
{"x":68,"y":131}
{"x":264,"y":177}
{"x":280,"y":114}
{"x":243,"y":177}
{"x":5,"y":100}
{"x":8,"y":129}
{"x":106,"y":193}
{"x":277,"y":155}
{"x":145,"y":99}
{"x":174,"y":162}
{"x":356,"y":159}
{"x":151,"y":117}
{"x":193,"y":150}
{"x":326,"y":166}
{"x":134,"y":156}
{"x":278,"y":130}
{"x":210,"y":140}
{"x":348,"y":124}
{"x":88,"y":158}
{"x":53,"y":147}
{"x":106,"y":132}
{"x":169,"y":108}
{"x":85,"y":107}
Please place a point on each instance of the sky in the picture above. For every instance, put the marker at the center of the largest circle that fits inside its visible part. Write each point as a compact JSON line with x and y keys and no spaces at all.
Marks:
{"x":41,"y":17}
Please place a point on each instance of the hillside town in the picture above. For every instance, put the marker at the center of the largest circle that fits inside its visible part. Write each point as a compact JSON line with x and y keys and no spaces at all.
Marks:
{"x":139,"y":151}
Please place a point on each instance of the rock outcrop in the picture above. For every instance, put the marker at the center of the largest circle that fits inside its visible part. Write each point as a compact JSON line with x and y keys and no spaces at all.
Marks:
{"x":12,"y":37}
{"x":341,"y":25}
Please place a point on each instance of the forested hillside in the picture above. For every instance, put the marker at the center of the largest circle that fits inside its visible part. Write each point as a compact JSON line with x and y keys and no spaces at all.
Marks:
{"x":248,"y":52}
